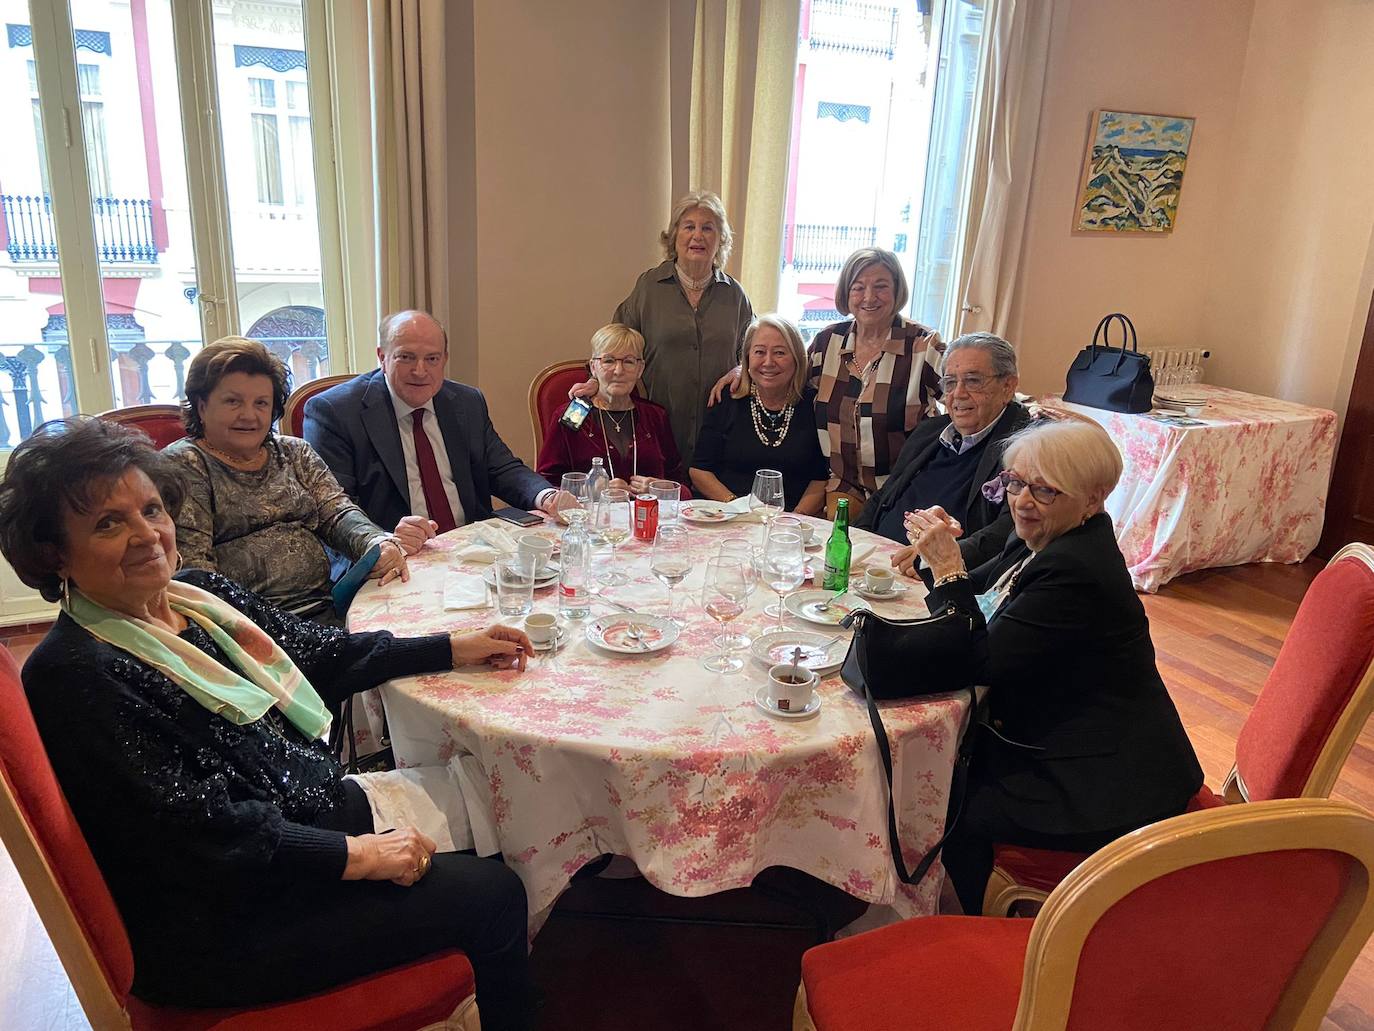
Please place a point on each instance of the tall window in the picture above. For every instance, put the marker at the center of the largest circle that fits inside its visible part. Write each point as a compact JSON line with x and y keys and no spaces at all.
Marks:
{"x":93,"y":128}
{"x":881,"y":120}
{"x":262,"y":94}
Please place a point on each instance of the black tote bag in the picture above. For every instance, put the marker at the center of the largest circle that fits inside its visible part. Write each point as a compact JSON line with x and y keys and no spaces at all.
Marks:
{"x":1115,"y":378}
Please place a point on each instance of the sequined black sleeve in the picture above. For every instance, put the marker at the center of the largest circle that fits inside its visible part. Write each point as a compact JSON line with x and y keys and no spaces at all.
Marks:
{"x":336,"y":662}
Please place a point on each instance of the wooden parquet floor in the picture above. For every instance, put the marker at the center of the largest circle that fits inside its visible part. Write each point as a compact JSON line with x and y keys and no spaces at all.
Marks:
{"x":1216,"y":634}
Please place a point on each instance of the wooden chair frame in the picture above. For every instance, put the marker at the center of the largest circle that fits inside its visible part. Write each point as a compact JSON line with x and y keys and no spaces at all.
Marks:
{"x":1074,"y":908}
{"x":537,"y":423}
{"x":304,"y":393}
{"x":1003,"y":892}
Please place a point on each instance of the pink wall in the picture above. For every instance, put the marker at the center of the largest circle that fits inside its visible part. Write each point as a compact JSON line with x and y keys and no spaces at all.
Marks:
{"x":1180,"y":58}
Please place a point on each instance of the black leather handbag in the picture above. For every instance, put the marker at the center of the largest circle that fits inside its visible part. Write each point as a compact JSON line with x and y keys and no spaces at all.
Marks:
{"x":911,"y":658}
{"x":1115,"y":378}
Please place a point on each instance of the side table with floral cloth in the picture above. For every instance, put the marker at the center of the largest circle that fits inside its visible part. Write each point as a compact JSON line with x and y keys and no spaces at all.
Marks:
{"x":654,"y":758}
{"x":1247,"y":485}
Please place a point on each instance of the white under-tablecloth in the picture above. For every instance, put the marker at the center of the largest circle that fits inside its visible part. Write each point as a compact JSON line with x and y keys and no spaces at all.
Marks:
{"x":656,"y":758}
{"x":1248,"y":485}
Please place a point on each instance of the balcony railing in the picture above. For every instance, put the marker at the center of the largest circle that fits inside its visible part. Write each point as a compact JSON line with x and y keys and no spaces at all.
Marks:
{"x":36,"y":381}
{"x":123,"y":229}
{"x":823,"y":248}
{"x":854,"y":27}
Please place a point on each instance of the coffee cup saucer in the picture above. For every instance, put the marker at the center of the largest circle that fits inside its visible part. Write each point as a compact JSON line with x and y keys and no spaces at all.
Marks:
{"x":896,"y":590}
{"x":812,"y":707}
{"x":560,"y":634}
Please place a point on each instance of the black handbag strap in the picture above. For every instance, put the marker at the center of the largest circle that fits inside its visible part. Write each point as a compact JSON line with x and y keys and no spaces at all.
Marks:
{"x":958,"y":788}
{"x":1104,"y":327}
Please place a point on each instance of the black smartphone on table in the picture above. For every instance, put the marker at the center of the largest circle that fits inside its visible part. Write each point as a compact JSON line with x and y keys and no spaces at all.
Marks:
{"x":518,"y":516}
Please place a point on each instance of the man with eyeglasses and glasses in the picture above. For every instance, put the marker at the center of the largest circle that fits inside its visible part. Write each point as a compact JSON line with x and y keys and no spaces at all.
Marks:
{"x":414,"y":449}
{"x":946,"y":460}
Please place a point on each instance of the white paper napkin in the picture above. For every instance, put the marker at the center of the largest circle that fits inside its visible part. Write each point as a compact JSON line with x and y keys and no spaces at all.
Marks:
{"x":463,"y":591}
{"x":489,"y":543}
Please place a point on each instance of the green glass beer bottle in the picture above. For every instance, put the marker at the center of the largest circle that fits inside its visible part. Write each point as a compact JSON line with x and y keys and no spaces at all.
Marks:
{"x":837,"y":550}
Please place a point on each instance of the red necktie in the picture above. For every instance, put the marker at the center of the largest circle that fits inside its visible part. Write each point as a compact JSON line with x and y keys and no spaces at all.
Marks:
{"x":430,"y":480}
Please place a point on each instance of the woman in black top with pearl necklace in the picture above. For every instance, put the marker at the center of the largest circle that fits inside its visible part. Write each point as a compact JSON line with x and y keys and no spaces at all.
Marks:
{"x":768,"y":422}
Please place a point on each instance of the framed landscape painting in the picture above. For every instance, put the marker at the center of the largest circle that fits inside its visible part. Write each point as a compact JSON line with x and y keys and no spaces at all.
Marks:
{"x":1133,"y":173}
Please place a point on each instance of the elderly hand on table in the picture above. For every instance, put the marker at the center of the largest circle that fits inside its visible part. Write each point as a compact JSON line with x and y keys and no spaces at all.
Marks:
{"x":933,"y":534}
{"x":501,"y":647}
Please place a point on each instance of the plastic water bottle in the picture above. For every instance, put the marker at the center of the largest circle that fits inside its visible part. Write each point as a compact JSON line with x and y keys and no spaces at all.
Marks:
{"x":575,"y":567}
{"x":596,"y":480}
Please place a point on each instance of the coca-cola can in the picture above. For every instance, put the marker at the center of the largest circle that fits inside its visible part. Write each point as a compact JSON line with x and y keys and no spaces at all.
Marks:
{"x":646,"y":516}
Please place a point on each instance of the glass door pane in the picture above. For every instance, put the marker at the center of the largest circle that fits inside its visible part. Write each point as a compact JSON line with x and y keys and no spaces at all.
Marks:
{"x":36,"y":374}
{"x":131,"y":128}
{"x":265,"y":118}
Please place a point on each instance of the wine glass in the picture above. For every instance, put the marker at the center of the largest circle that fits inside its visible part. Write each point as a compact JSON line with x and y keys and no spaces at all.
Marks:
{"x":612,"y":523}
{"x":576,"y":492}
{"x":784,"y":566}
{"x":724,"y":592}
{"x":671,"y":561}
{"x":766,"y":496}
{"x":740,"y":548}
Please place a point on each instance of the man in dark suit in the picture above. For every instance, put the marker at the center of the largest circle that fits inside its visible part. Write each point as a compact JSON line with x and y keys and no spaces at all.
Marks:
{"x":947,"y":460}
{"x":417,"y":451}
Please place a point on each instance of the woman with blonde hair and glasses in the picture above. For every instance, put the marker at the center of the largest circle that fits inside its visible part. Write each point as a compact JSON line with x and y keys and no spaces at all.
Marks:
{"x":693,"y":316}
{"x":630,"y":435}
{"x":767,"y":422}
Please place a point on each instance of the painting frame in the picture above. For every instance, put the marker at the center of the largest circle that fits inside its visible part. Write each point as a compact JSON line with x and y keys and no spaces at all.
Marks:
{"x":1149,"y":149}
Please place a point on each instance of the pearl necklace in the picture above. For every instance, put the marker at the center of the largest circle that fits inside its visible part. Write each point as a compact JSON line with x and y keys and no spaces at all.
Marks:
{"x":690,"y":283}
{"x":767,"y":423}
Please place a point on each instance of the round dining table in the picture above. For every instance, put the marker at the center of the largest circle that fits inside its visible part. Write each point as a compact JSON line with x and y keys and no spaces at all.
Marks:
{"x":653,"y":757}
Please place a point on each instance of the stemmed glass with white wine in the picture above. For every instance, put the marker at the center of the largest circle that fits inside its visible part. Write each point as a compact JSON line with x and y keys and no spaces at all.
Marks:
{"x":612,"y":523}
{"x":766,"y":496}
{"x":671,"y":561}
{"x":724,"y":591}
{"x":784,"y":566}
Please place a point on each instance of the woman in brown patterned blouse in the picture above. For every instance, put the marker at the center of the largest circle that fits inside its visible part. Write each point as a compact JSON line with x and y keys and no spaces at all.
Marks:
{"x":261,"y":508}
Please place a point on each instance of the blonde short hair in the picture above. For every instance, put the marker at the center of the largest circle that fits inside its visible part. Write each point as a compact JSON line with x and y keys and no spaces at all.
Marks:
{"x":858,"y":263}
{"x":708,"y":201}
{"x":617,"y":339}
{"x":1074,"y":456}
{"x":794,"y":341}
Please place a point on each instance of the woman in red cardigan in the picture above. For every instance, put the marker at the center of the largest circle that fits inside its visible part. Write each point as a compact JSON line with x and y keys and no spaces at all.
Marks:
{"x":631,"y":436}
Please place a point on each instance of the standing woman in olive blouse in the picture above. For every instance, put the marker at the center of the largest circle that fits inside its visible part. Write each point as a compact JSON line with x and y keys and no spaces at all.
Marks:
{"x":693,"y":316}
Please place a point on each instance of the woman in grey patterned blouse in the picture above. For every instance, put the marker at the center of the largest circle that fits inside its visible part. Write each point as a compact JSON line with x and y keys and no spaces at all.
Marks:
{"x":261,"y":508}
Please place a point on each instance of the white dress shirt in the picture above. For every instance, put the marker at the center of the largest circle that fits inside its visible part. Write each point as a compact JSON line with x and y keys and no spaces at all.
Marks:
{"x":406,"y":424}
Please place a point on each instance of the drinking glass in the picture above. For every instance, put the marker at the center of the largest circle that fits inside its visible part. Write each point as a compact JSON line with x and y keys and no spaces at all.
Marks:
{"x":577,"y":493}
{"x":739,"y":548}
{"x":724,"y":592}
{"x":669,"y":493}
{"x":671,"y":561}
{"x":784,"y":567}
{"x":765,"y":497}
{"x":515,"y":585}
{"x":612,"y":522}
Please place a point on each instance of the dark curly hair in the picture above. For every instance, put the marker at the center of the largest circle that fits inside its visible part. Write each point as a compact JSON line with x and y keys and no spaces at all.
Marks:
{"x":217,"y":360}
{"x":70,"y":464}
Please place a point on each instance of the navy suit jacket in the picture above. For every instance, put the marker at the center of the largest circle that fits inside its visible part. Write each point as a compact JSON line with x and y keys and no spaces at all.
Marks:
{"x":353,"y":426}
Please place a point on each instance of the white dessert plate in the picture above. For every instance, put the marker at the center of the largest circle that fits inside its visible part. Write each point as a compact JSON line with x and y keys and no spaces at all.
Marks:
{"x":632,"y":633}
{"x":777,"y":647}
{"x":705,"y":512}
{"x":805,"y":605}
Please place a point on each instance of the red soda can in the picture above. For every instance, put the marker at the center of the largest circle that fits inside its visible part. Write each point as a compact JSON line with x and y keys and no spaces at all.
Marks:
{"x":646,"y":516}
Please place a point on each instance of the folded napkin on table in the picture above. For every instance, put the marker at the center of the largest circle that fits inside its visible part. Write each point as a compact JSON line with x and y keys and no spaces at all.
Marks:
{"x":740,"y":508}
{"x":464,"y":591}
{"x":489,"y":542}
{"x":858,"y":553}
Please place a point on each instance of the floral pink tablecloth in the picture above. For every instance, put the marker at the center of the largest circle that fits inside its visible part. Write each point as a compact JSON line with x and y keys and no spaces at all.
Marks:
{"x":1248,"y":485}
{"x":659,"y":760}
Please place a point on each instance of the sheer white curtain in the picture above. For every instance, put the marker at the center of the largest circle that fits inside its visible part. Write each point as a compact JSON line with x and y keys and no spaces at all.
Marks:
{"x":1016,"y":53}
{"x":743,"y":67}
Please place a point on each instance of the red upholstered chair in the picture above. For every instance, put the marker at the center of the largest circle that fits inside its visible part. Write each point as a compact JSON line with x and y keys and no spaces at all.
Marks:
{"x":57,"y":868}
{"x":1232,"y":919}
{"x":549,"y":393}
{"x":293,"y":413}
{"x":161,"y":422}
{"x":1293,"y":744}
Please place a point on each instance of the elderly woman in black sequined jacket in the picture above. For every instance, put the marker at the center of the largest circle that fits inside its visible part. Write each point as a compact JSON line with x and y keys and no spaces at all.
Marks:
{"x":183,"y":719}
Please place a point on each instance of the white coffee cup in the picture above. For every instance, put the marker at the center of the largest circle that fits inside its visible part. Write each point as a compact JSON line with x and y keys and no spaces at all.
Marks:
{"x":878,"y":579}
{"x":786,"y":695}
{"x":807,"y":533}
{"x":537,"y":548}
{"x":541,"y":627}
